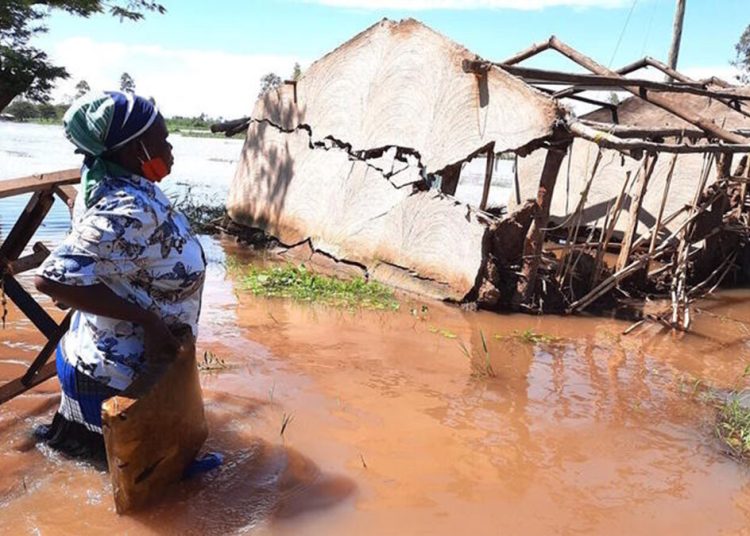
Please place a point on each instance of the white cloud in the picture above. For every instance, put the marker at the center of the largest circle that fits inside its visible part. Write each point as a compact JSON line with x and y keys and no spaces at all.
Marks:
{"x":183,"y":81}
{"x":424,"y":5}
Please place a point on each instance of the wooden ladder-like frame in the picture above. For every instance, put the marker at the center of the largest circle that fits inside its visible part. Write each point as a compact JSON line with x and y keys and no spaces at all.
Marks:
{"x":44,"y":188}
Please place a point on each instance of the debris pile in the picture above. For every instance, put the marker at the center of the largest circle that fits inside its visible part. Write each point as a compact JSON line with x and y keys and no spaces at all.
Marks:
{"x":356,"y":163}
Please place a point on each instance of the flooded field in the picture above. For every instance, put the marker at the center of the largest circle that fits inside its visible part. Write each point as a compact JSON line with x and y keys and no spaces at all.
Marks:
{"x":402,"y":423}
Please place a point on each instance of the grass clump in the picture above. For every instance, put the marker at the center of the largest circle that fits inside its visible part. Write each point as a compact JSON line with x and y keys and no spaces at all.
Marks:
{"x":481,"y":367}
{"x":530,"y":336}
{"x":299,"y":283}
{"x":204,"y":215}
{"x":733,"y":427}
{"x":211,"y":362}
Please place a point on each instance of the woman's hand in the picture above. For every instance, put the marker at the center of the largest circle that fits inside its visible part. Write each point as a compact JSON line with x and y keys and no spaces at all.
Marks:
{"x":159,"y":342}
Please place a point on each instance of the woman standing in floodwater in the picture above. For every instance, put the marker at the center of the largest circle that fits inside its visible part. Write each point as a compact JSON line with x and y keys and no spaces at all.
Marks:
{"x":130,"y":267}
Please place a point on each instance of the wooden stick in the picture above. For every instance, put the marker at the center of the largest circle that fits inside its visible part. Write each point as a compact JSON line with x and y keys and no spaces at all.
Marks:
{"x":608,"y":283}
{"x":604,"y":139}
{"x":659,"y":100}
{"x":600,"y":81}
{"x":534,"y":242}
{"x":665,"y":194}
{"x":516,"y":182}
{"x":572,"y":237}
{"x":489,"y":167}
{"x":630,"y":131}
{"x":533,"y":50}
{"x":609,"y":231}
{"x":679,"y":278}
{"x":649,"y":163}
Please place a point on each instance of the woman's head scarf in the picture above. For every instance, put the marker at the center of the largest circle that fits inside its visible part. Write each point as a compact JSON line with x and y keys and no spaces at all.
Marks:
{"x":98,"y":123}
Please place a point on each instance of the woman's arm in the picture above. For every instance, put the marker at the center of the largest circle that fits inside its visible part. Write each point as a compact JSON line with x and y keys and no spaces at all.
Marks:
{"x":100,"y":300}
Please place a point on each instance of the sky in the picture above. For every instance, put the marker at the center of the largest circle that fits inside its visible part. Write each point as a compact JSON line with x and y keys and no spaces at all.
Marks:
{"x":208,"y":56}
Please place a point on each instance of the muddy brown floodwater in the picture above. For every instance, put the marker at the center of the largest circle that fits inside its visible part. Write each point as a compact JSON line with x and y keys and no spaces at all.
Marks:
{"x":392,"y":429}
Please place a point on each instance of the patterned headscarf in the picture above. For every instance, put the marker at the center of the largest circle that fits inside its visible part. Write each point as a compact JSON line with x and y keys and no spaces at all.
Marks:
{"x":101,"y":122}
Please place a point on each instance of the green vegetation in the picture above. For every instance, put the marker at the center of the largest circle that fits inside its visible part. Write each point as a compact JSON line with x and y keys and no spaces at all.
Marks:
{"x":448,"y":334}
{"x":26,"y":70}
{"x":481,"y":366}
{"x":742,"y":60}
{"x":195,"y":127}
{"x":299,"y":283}
{"x":733,"y":427}
{"x":529,"y":336}
{"x":203,"y":215}
{"x":45,"y":113}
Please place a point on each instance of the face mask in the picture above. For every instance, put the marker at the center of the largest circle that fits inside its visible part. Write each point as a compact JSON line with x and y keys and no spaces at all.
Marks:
{"x":154,"y":169}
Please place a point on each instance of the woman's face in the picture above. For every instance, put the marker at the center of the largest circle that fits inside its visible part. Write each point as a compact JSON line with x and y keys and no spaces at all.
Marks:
{"x":155,"y":141}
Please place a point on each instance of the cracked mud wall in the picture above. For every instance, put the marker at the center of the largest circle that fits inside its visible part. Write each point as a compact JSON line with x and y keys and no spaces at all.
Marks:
{"x":343,"y":159}
{"x":351,"y":211}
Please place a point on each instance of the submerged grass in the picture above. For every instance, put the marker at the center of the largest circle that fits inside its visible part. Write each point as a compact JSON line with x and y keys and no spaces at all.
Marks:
{"x":299,"y":283}
{"x":530,"y":336}
{"x":733,"y":427}
{"x":481,"y":366}
{"x":212,"y":363}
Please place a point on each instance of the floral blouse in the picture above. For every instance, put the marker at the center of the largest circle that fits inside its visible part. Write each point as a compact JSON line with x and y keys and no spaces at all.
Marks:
{"x":132,"y":240}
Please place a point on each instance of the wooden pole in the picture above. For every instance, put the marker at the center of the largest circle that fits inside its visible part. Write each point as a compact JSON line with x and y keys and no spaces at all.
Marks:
{"x":674,"y":49}
{"x":649,"y":163}
{"x":533,"y":50}
{"x":609,"y":229}
{"x":489,"y":168}
{"x":607,"y":140}
{"x":655,"y":98}
{"x":660,"y":215}
{"x":572,"y":237}
{"x":532,"y":250}
{"x":634,"y":131}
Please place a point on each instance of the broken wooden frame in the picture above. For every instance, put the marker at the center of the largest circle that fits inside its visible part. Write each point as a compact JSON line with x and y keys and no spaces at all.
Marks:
{"x":637,"y":141}
{"x":44,"y":188}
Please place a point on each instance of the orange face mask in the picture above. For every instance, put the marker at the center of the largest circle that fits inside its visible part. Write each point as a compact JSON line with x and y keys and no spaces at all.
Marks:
{"x":154,"y":169}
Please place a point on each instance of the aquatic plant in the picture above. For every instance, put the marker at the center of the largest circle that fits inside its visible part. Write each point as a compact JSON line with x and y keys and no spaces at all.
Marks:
{"x":203,"y":214}
{"x":481,"y":366}
{"x":285,"y":420}
{"x":529,"y":336}
{"x":733,"y":426}
{"x":299,"y":283}
{"x":448,"y":334}
{"x":211,"y":362}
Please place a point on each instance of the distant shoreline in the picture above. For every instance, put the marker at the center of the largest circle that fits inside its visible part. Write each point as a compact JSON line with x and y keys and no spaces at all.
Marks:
{"x":173,"y":127}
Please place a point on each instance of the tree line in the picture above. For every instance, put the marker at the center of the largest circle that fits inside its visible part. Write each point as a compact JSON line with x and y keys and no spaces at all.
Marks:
{"x":26,"y":72}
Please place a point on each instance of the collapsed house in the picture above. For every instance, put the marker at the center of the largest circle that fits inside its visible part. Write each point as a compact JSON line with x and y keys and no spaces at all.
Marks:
{"x":356,"y":163}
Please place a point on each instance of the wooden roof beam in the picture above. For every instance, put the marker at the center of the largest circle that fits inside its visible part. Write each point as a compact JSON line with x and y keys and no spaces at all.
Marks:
{"x":610,"y":141}
{"x":595,"y":81}
{"x":652,"y":97}
{"x":627,"y":131}
{"x":532,"y":51}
